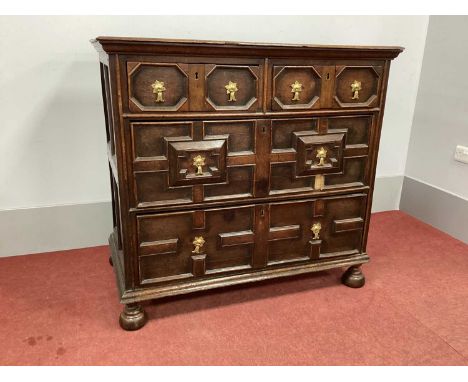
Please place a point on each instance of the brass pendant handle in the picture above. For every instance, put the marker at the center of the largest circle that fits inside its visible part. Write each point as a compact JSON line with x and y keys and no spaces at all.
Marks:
{"x":321,"y":155}
{"x":199,"y":162}
{"x":231,"y":89}
{"x":296,"y":88}
{"x":158,"y":89}
{"x":198,"y":242}
{"x":355,"y":88}
{"x":316,"y":227}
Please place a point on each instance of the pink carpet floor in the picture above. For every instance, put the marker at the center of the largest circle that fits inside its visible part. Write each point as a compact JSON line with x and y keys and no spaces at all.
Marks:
{"x":61,"y":308}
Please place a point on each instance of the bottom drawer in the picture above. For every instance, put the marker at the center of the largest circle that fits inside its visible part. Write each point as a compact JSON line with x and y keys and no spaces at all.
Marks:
{"x":202,"y":243}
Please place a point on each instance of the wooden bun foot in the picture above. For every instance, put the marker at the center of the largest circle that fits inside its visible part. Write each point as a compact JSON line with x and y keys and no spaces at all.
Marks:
{"x":133,"y":317}
{"x":353,"y":277}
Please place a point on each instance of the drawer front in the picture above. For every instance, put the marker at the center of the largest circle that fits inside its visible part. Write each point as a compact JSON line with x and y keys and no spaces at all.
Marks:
{"x":307,"y":85}
{"x":176,"y":163}
{"x":357,"y":86}
{"x":203,"y":243}
{"x":154,"y":86}
{"x":157,"y":86}
{"x":296,"y":87}
{"x":194,"y":243}
{"x":315,"y":229}
{"x":319,"y":154}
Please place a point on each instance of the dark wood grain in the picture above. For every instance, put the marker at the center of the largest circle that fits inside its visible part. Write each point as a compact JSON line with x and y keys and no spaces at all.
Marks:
{"x":284,"y":186}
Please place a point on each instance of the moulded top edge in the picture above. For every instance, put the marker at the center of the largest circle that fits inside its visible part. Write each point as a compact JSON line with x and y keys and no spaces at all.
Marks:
{"x":147,"y":45}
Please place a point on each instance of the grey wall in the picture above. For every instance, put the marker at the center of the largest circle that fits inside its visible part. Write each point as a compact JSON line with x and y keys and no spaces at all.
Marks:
{"x":435,"y":189}
{"x":441,"y":112}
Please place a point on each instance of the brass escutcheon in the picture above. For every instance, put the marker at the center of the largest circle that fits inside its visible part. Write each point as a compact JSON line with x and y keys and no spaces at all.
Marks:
{"x":158,"y":89}
{"x":296,"y":88}
{"x":231,"y":89}
{"x":198,"y":242}
{"x":321,"y":155}
{"x":199,"y":162}
{"x":355,"y":87}
{"x":316,"y":227}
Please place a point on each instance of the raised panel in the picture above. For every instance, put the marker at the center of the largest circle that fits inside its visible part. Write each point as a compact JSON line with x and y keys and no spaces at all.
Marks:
{"x":232,"y":87}
{"x":357,"y":86}
{"x":197,"y":162}
{"x":282,"y":137}
{"x":157,"y":86}
{"x":239,"y":134}
{"x":239,"y":184}
{"x":296,"y":87}
{"x":150,"y":138}
{"x":319,"y":153}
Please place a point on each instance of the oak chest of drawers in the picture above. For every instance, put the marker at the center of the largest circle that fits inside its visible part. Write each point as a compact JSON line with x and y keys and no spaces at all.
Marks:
{"x":236,"y":162}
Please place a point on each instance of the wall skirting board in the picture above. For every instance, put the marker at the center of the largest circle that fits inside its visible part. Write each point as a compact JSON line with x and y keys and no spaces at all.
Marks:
{"x":439,"y":208}
{"x":46,"y":229}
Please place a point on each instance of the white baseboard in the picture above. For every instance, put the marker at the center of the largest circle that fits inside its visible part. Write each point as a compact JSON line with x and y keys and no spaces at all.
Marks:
{"x":46,"y":229}
{"x":439,"y":208}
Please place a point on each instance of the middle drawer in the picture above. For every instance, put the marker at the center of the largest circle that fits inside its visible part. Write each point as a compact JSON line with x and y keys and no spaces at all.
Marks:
{"x":193,"y":162}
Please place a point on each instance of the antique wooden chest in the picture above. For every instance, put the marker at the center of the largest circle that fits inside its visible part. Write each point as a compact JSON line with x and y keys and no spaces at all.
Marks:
{"x":236,"y":162}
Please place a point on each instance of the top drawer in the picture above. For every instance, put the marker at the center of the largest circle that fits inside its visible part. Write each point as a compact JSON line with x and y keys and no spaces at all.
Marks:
{"x":308,"y":85}
{"x":159,"y":85}
{"x":221,"y":85}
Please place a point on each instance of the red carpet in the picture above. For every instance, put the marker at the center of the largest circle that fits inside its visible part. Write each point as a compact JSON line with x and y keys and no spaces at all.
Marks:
{"x":61,"y":308}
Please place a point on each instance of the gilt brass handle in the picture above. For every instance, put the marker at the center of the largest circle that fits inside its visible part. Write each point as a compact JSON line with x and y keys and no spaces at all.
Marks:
{"x":158,"y":89}
{"x":296,"y":88}
{"x":316,"y":227}
{"x":355,"y":88}
{"x":321,"y":155}
{"x":198,"y":242}
{"x":231,"y":89}
{"x":199,"y":162}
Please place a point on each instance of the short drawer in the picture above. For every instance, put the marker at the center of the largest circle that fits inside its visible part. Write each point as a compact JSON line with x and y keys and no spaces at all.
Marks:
{"x":193,"y":162}
{"x":210,"y":242}
{"x":299,"y":85}
{"x":193,"y":86}
{"x":315,"y":229}
{"x":181,"y":245}
{"x":319,"y":154}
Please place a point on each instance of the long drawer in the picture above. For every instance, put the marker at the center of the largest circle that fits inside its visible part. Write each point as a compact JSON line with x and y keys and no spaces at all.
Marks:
{"x":213,"y":242}
{"x":193,"y":162}
{"x":194,"y":84}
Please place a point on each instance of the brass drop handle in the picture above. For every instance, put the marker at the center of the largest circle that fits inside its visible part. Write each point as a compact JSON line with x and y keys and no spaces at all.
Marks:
{"x":296,"y":88}
{"x":158,"y":89}
{"x":199,"y":162}
{"x":198,"y":242}
{"x":316,"y":227}
{"x":355,"y":88}
{"x":231,"y":89}
{"x":321,"y":155}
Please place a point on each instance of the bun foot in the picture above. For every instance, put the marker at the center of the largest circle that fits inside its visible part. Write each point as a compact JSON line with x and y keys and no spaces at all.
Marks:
{"x":133,"y":317}
{"x":353,"y":277}
{"x":110,"y":261}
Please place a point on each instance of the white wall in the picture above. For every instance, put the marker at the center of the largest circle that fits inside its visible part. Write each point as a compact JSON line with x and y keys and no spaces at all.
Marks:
{"x":441,"y":114}
{"x":52,"y":141}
